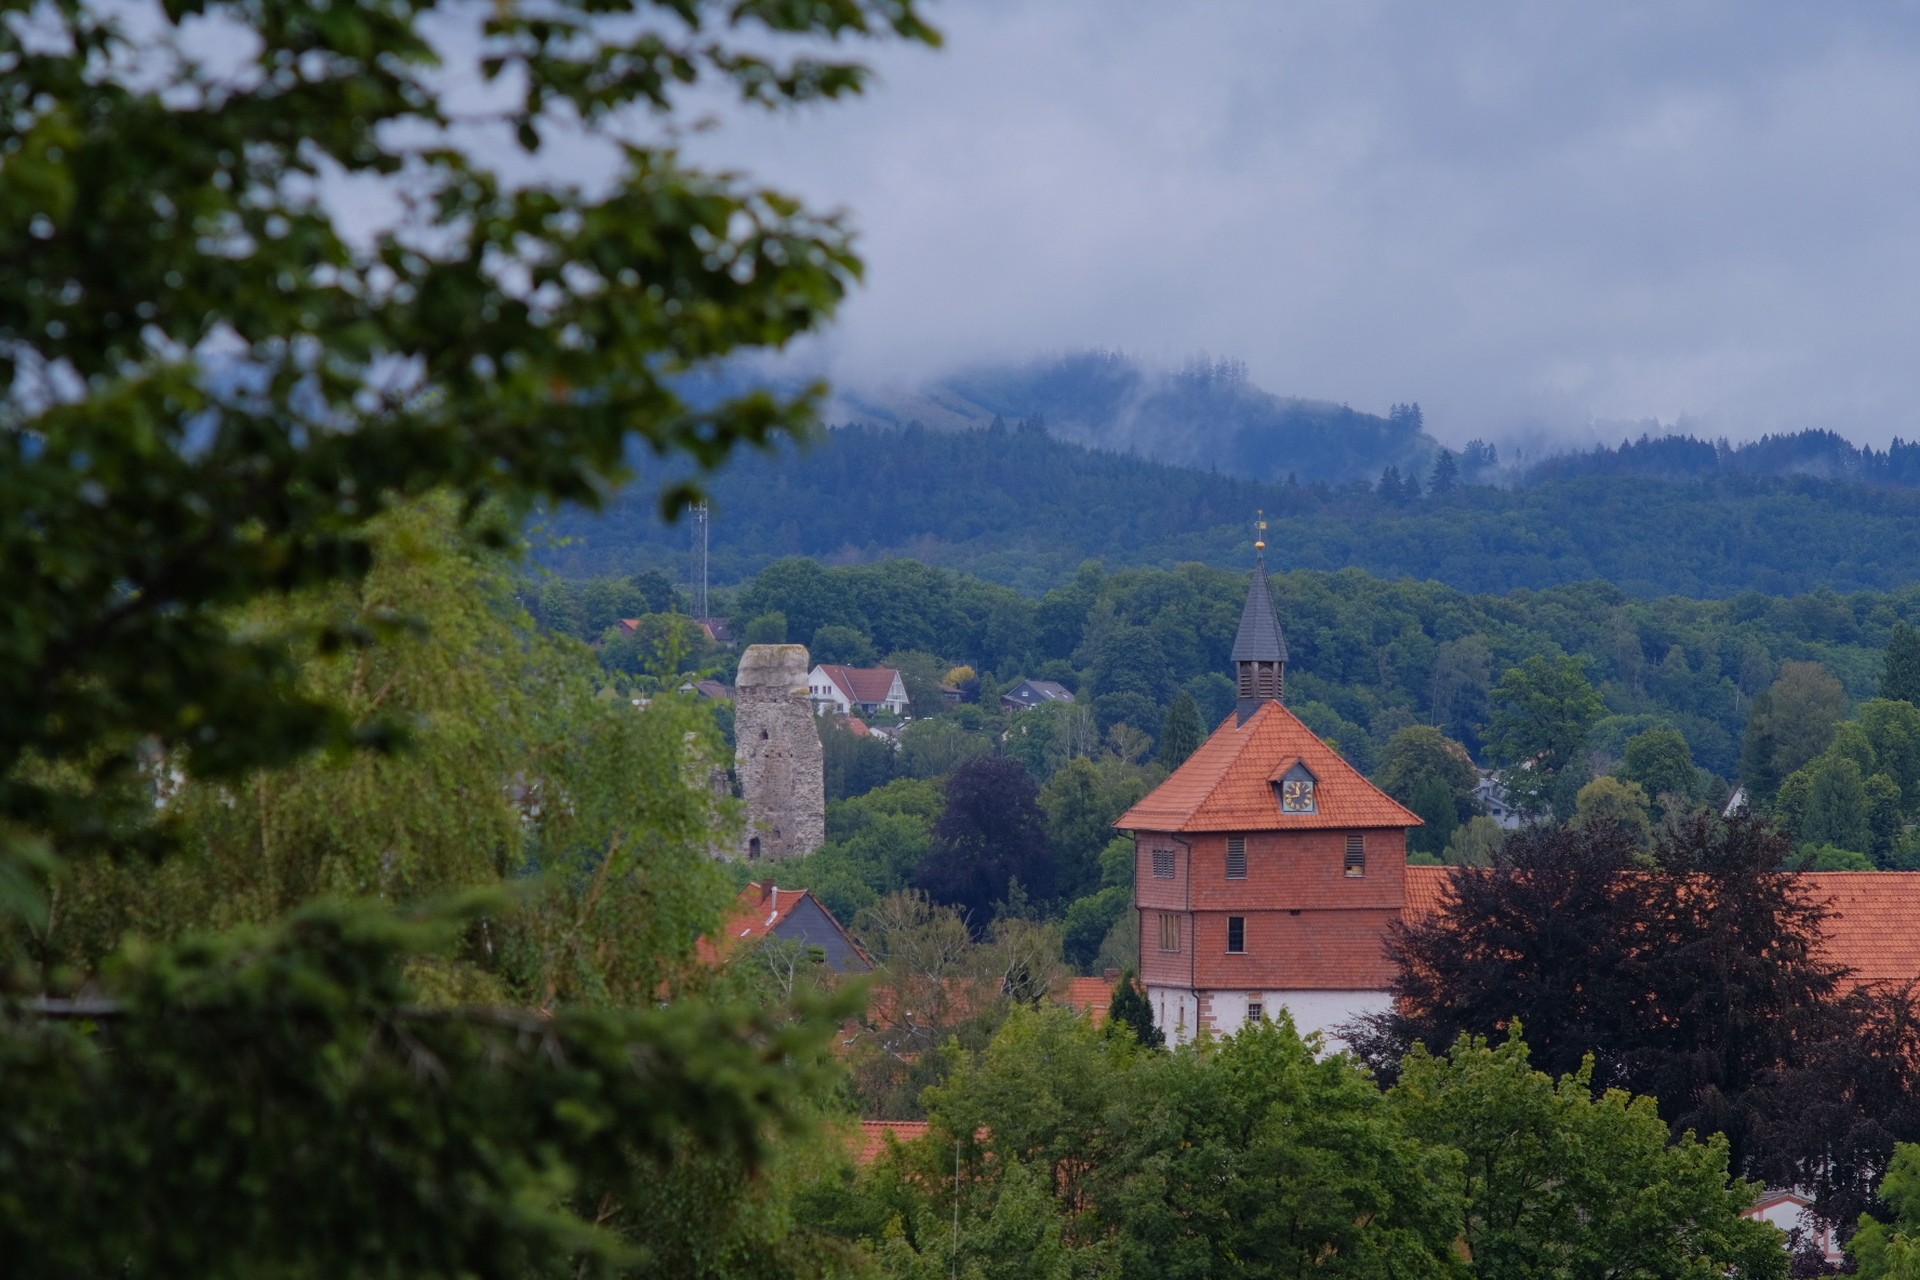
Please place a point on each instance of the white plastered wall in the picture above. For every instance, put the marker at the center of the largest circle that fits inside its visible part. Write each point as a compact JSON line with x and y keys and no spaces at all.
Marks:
{"x":1175,"y":1010}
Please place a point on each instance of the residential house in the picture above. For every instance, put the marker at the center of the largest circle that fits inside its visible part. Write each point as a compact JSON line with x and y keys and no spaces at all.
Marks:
{"x":846,"y":690}
{"x":1491,"y":795}
{"x":1033,"y":693}
{"x":792,"y":915}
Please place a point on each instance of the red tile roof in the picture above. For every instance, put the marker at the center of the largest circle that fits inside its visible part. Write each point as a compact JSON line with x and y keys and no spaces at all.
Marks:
{"x":1874,"y":929}
{"x":1090,"y":996}
{"x":757,"y":912}
{"x":1228,"y":784}
{"x":862,"y":684}
{"x":875,"y":1134}
{"x":1875,"y":926}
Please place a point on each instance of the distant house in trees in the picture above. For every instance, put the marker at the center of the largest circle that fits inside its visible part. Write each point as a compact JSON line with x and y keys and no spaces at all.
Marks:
{"x":845,"y":690}
{"x":713,"y":690}
{"x":1033,"y":693}
{"x":1793,"y":1214}
{"x":1493,"y":799}
{"x":715,"y":629}
{"x":791,"y":915}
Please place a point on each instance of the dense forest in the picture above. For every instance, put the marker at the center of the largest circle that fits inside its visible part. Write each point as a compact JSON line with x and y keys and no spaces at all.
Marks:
{"x":1369,"y":655}
{"x":1016,"y":505}
{"x":1806,"y":453}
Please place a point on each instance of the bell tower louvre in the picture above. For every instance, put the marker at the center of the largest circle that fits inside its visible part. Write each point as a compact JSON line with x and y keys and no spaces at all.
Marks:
{"x":1266,"y":868}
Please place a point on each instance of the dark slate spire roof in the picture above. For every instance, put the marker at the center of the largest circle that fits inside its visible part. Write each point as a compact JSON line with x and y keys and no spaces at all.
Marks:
{"x":1259,"y":639}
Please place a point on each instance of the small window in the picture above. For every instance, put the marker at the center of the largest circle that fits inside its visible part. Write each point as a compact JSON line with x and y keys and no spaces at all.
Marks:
{"x":1163,"y":864}
{"x":1236,"y":857}
{"x":1356,"y":855}
{"x":1236,"y":935}
{"x":1169,"y":933}
{"x":1256,"y":1012}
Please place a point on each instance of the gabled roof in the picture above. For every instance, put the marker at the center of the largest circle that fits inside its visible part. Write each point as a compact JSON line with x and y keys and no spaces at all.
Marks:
{"x":1228,"y":784}
{"x":1259,"y":638}
{"x":1874,"y":929}
{"x":1034,"y":692}
{"x":862,"y":684}
{"x":761,"y":909}
{"x":1091,"y":996}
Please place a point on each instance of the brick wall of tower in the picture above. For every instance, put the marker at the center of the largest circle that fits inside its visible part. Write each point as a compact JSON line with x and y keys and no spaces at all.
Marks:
{"x":1297,"y":870}
{"x":1309,"y":951}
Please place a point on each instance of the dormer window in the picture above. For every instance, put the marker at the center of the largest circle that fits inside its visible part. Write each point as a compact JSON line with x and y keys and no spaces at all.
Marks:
{"x":1298,"y":790}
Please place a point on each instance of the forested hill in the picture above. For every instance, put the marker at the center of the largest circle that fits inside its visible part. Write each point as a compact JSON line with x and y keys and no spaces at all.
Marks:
{"x":1205,"y":414}
{"x":1821,"y":454}
{"x":1018,"y":506}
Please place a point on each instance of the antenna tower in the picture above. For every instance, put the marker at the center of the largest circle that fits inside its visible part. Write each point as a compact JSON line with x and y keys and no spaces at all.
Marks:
{"x":700,"y":522}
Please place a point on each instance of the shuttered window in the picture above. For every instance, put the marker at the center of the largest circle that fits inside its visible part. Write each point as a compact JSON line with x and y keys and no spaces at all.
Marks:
{"x":1169,"y":933}
{"x":1163,"y":864}
{"x":1356,"y":855}
{"x":1236,"y":857}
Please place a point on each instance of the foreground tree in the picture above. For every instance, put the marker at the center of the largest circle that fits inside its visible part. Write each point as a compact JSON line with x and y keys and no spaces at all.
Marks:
{"x":277,"y":1102}
{"x":1560,"y":1181}
{"x":211,"y":385}
{"x":209,"y":390}
{"x":1256,"y":1156}
{"x":1891,"y":1250}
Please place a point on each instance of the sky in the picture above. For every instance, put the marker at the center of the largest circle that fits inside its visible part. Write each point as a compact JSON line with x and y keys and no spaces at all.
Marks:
{"x":1536,"y":220}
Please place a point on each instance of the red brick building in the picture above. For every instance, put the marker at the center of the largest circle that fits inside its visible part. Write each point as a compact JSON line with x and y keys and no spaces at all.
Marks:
{"x":1267,"y":870}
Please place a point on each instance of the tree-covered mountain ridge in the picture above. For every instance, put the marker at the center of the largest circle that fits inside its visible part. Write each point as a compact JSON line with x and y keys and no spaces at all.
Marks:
{"x":1205,"y":413}
{"x":1017,"y":505}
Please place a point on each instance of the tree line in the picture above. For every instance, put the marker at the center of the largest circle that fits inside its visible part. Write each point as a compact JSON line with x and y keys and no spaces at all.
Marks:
{"x":1019,"y":506}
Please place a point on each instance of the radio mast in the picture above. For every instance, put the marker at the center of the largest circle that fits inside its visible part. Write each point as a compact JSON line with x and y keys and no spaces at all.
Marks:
{"x":700,"y":522}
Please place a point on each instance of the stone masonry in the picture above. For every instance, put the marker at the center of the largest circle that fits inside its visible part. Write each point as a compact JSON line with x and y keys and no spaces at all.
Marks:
{"x":778,"y":755}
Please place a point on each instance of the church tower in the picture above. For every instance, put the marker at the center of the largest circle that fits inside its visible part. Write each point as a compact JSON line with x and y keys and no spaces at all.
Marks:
{"x":1267,"y":869}
{"x":1260,"y":648}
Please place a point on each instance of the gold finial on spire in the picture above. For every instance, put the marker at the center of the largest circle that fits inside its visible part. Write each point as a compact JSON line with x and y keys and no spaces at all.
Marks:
{"x":1260,"y":529}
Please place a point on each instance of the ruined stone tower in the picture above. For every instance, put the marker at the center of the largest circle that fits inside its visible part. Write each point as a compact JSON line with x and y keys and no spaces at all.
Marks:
{"x":778,"y":754}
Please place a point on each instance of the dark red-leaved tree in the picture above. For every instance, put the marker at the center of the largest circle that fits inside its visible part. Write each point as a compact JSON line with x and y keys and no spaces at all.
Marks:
{"x":991,"y":833}
{"x":1693,"y":975}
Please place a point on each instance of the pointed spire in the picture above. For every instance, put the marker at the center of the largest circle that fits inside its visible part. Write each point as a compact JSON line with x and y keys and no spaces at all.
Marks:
{"x":1260,"y":648}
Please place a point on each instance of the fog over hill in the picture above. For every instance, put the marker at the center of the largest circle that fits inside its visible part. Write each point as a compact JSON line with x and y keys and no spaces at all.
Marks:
{"x":1206,"y":413}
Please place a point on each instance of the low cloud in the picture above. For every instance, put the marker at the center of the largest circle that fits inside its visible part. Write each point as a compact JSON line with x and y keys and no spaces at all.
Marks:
{"x":1529,"y":218}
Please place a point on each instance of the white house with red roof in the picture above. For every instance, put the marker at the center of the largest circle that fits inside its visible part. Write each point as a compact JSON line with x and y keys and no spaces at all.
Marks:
{"x":856,"y":690}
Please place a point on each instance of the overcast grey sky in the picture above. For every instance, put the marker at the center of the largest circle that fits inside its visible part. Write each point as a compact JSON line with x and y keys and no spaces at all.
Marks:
{"x":1522,"y":215}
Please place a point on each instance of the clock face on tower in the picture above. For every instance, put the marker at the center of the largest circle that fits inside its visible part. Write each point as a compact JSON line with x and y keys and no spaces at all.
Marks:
{"x":1296,"y":796}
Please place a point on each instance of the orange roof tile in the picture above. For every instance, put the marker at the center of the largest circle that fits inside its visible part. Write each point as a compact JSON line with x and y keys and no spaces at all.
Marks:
{"x":1874,"y":929}
{"x":874,"y":1135}
{"x":862,"y":684}
{"x":1228,"y":784}
{"x":1875,"y":926}
{"x":756,"y":913}
{"x":1425,"y":885}
{"x":1090,"y":996}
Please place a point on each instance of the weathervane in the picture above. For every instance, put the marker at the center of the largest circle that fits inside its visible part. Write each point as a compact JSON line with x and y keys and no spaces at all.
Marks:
{"x":1260,"y":531}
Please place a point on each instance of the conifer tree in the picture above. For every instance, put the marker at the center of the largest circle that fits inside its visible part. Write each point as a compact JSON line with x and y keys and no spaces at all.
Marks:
{"x":1181,"y":731}
{"x":1129,"y":1008}
{"x":1901,"y":679}
{"x":1446,"y":474}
